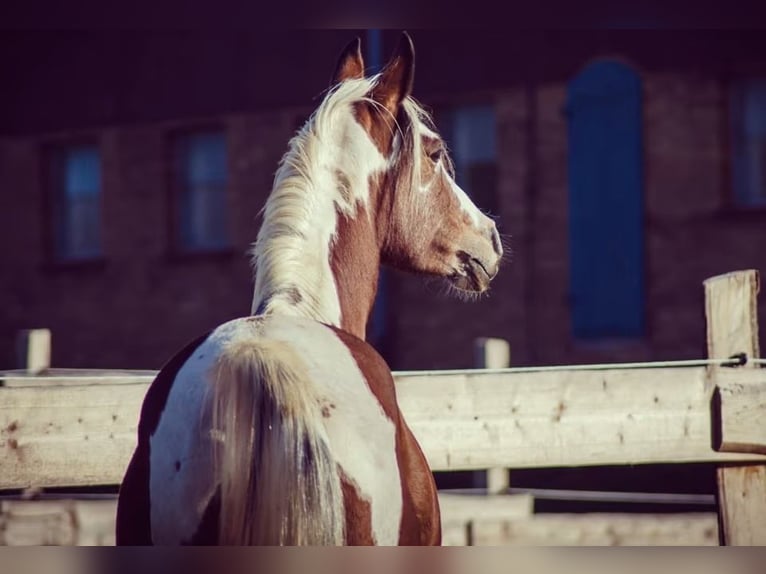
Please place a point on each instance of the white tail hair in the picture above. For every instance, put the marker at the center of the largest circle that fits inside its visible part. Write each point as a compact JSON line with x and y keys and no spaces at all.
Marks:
{"x":279,"y":483}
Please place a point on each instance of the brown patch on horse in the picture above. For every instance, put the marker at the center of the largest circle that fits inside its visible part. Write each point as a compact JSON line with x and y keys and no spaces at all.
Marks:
{"x":398,"y":76}
{"x":379,"y":124}
{"x":393,"y":86}
{"x":428,"y":245}
{"x":355,"y":263}
{"x":358,"y":515}
{"x":133,"y":525}
{"x":421,"y":520}
{"x":421,"y":516}
{"x":350,"y":62}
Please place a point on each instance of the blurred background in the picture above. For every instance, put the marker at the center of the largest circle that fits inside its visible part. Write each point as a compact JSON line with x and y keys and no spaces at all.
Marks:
{"x":624,"y":166}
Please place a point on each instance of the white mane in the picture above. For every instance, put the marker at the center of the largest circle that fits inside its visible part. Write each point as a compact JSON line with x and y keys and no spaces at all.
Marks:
{"x":326,"y":169}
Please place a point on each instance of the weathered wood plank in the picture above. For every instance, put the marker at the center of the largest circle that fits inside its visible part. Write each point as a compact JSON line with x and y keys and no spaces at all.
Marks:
{"x":697,"y":529}
{"x":561,"y":418}
{"x":467,"y":507}
{"x":463,"y":422}
{"x":741,"y":416}
{"x":458,"y":511}
{"x":731,"y":302}
{"x":60,"y":523}
{"x":455,"y":534}
{"x":732,"y":327}
{"x":742,"y":504}
{"x":34,"y":349}
{"x":492,"y":353}
{"x":87,"y":522}
{"x":67,"y":436}
{"x":58,"y":377}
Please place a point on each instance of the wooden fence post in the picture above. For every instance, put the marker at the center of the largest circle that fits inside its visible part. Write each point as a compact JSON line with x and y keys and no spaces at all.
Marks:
{"x":732,"y":328}
{"x":34,"y":350}
{"x":492,"y":353}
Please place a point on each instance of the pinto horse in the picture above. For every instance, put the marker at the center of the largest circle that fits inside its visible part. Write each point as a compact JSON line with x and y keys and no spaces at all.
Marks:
{"x":282,"y":428}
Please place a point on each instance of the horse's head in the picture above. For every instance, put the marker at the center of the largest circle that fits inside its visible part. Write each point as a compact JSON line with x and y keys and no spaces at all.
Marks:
{"x":366,"y":179}
{"x":426,"y":222}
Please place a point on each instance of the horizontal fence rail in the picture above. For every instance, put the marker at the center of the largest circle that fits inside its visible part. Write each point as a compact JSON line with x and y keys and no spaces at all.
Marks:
{"x":84,"y":434}
{"x":466,"y":520}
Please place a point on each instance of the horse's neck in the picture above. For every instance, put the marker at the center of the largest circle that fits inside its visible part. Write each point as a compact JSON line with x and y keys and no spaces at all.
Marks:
{"x":355,"y":261}
{"x":330,"y":277}
{"x":317,"y":253}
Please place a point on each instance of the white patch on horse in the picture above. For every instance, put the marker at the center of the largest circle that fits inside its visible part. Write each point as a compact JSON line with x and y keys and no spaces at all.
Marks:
{"x":362,"y":438}
{"x":180,"y":483}
{"x":428,"y":132}
{"x":301,"y":214}
{"x":465,"y":202}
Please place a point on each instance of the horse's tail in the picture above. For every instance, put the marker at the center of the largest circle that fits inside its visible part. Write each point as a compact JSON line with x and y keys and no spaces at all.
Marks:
{"x":279,"y":483}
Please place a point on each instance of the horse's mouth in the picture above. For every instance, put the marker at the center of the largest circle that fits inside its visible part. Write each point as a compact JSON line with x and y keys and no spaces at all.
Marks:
{"x":472,"y":276}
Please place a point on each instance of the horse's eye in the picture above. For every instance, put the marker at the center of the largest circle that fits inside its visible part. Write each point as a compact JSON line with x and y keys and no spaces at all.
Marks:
{"x":435,"y":156}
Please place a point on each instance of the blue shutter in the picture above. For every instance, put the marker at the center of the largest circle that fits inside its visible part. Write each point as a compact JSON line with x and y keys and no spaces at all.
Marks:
{"x":605,"y":202}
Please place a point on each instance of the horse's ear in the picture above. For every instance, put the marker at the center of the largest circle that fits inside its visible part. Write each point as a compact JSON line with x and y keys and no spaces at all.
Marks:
{"x":350,"y":64}
{"x":397,"y":77}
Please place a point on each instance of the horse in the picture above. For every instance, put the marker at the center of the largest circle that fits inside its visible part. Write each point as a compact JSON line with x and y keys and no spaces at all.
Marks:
{"x":282,"y":427}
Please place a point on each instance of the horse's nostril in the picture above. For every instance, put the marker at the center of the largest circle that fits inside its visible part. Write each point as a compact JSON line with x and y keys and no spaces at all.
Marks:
{"x":495,"y":238}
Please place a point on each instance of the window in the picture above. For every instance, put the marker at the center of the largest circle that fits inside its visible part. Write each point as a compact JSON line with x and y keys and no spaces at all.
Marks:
{"x":201,"y":178}
{"x":606,"y":217}
{"x":749,"y":143}
{"x":76,"y":181}
{"x":470,"y":135}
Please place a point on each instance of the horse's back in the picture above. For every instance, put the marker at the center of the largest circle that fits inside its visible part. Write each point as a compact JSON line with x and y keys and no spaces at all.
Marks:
{"x":169,"y":492}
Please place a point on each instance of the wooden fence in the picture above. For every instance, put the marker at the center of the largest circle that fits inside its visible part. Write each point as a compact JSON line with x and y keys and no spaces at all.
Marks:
{"x":79,"y":431}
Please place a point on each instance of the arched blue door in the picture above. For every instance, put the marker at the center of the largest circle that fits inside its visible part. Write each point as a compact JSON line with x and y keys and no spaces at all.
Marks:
{"x":605,"y":202}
